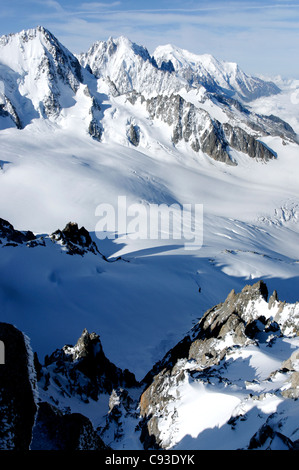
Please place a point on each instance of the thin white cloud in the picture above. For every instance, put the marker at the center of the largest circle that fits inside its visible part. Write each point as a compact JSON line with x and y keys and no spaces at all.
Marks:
{"x":261,"y":36}
{"x":52,"y":4}
{"x":91,"y":6}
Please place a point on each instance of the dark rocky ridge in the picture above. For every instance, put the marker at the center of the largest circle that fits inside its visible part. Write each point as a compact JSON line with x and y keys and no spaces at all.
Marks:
{"x":206,"y":349}
{"x":55,"y":430}
{"x":10,"y":236}
{"x":84,"y":369}
{"x":17,"y":391}
{"x":240,"y":140}
{"x":76,"y":240}
{"x":28,"y":422}
{"x":34,"y":414}
{"x":195,"y":126}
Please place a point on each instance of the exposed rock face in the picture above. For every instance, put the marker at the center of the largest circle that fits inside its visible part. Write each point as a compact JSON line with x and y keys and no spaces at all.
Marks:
{"x":134,"y":135}
{"x":214,"y":144}
{"x":216,"y":323}
{"x":84,"y":370}
{"x":121,"y":408}
{"x":17,"y":391}
{"x":95,"y":130}
{"x":190,"y":124}
{"x":7,"y":109}
{"x":244,"y":142}
{"x":54,"y":430}
{"x":10,"y":236}
{"x":233,"y":324}
{"x":76,"y":240}
{"x":195,"y":126}
{"x":72,"y":239}
{"x":269,"y":439}
{"x":221,"y":357}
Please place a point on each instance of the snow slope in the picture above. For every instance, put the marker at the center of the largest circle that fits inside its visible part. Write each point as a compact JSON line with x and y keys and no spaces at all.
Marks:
{"x":250,"y":231}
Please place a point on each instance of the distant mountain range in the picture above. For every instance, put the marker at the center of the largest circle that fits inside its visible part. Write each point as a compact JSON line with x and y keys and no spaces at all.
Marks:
{"x":197,"y":96}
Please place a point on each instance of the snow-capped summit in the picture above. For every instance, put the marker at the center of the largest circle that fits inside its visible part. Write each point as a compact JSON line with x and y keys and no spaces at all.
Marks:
{"x":213,"y":74}
{"x":194,"y":95}
{"x":38,"y":75}
{"x":129,"y":66}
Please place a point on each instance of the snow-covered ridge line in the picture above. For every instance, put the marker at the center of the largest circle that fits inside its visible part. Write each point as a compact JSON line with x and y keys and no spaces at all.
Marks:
{"x":129,"y":66}
{"x":41,"y":80}
{"x":212,"y":73}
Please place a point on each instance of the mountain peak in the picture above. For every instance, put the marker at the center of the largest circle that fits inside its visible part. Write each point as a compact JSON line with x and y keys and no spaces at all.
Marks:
{"x":215,"y":75}
{"x":26,"y":35}
{"x":116,"y":53}
{"x":46,"y":73}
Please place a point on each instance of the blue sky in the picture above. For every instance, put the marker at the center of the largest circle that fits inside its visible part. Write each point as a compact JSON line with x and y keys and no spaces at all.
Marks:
{"x":261,"y":36}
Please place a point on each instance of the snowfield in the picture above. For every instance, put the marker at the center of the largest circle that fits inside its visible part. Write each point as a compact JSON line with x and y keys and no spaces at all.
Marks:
{"x":250,"y":231}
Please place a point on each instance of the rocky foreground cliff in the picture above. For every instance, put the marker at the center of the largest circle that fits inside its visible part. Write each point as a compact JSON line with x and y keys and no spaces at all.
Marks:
{"x":231,"y":383}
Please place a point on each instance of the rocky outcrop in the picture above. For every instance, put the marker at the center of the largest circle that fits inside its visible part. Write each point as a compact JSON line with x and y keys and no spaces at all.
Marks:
{"x":190,"y":124}
{"x":267,"y":438}
{"x":72,"y":239}
{"x":235,"y":323}
{"x":94,"y":130}
{"x":134,"y":135}
{"x":214,"y":144}
{"x":10,"y":236}
{"x":55,"y":430}
{"x":8,"y":109}
{"x":75,"y":240}
{"x":195,"y":126}
{"x":240,"y":140}
{"x":122,"y":407}
{"x":83,"y":370}
{"x":216,"y":323}
{"x":217,"y":358}
{"x":17,"y":390}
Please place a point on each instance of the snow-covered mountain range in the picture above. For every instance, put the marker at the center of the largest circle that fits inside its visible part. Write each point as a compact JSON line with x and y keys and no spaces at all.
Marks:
{"x":117,"y":124}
